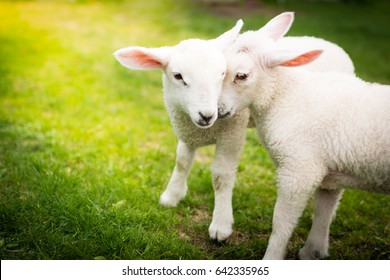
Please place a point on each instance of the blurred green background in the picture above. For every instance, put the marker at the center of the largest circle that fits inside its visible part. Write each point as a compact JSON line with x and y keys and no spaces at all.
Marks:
{"x":86,"y":146}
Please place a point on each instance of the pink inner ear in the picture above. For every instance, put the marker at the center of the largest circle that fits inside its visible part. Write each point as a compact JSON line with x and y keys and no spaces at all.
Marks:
{"x":142,"y":59}
{"x":282,"y":27}
{"x":302,"y":59}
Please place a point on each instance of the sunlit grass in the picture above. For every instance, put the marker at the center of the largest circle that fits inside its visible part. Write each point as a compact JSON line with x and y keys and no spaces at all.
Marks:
{"x":86,"y":146}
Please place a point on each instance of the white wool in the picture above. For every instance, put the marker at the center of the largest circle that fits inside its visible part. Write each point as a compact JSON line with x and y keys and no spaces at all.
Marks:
{"x":336,"y":119}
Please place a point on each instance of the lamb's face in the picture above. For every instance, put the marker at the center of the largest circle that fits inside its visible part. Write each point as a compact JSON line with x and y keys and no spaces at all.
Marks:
{"x":193,"y":72}
{"x":243,"y":77}
{"x":193,"y":81}
{"x":239,"y":84}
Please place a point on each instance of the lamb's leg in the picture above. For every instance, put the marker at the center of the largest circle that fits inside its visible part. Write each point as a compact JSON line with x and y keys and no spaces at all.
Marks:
{"x":294,"y":190}
{"x":325,"y":205}
{"x":177,"y":186}
{"x":223,"y":169}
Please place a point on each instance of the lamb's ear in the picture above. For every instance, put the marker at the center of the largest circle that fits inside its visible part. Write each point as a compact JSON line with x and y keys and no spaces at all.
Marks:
{"x":140,"y":58}
{"x":291,"y":58}
{"x":225,"y":40}
{"x":277,"y":27}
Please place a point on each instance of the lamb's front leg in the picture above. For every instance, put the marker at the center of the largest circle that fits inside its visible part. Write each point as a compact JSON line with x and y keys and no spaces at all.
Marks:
{"x":177,"y":186}
{"x":325,"y":205}
{"x":294,"y":189}
{"x":223,"y":171}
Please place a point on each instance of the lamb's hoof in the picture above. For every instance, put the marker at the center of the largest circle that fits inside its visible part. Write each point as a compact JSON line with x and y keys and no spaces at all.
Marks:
{"x":217,"y":242}
{"x":171,"y":198}
{"x":311,"y":255}
{"x":168,"y":201}
{"x":219,"y":235}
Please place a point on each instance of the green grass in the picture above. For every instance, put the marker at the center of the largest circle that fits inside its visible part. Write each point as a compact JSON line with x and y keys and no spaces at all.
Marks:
{"x":86,"y":146}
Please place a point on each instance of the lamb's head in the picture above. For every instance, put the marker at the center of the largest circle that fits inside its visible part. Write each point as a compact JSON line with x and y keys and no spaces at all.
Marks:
{"x":193,"y":73}
{"x":251,"y":61}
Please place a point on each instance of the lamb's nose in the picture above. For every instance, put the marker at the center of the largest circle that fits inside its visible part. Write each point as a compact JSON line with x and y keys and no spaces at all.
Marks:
{"x":206,"y":118}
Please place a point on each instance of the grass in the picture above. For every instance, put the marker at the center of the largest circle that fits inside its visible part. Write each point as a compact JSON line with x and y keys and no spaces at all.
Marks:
{"x":86,"y":146}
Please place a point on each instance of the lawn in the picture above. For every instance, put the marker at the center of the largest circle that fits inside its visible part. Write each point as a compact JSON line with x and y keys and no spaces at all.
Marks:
{"x":86,"y":146}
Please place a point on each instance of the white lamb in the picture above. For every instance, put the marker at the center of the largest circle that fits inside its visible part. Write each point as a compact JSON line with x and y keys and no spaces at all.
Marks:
{"x":324,"y":131}
{"x":193,"y":73}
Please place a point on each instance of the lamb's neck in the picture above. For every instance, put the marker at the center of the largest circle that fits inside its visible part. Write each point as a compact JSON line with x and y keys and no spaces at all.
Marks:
{"x":179,"y":118}
{"x":272,"y":91}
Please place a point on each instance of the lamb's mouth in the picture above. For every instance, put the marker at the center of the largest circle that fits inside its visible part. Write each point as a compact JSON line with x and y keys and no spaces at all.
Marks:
{"x":224,"y":114}
{"x":203,"y":124}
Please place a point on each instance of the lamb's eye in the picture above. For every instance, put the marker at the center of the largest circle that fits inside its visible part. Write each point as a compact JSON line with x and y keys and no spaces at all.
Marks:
{"x":177,"y":76}
{"x":240,"y":77}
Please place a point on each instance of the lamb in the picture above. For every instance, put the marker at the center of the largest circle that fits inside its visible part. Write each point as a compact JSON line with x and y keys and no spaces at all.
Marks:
{"x":324,"y":131}
{"x":193,"y":73}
